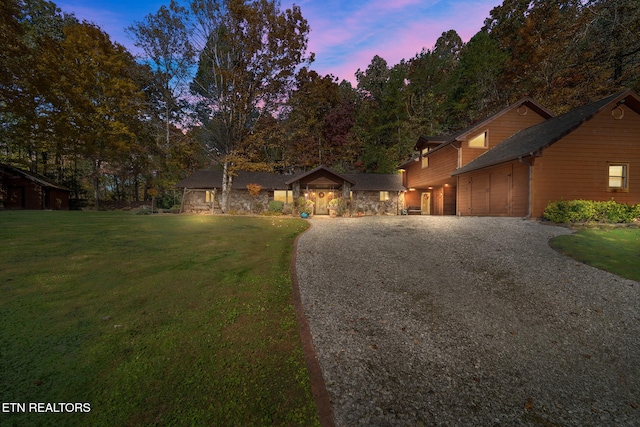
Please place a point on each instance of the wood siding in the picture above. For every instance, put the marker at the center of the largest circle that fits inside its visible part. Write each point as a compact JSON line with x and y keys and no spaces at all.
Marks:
{"x":498,"y":130}
{"x":576,"y":167}
{"x":441,"y":164}
{"x":502,"y":190}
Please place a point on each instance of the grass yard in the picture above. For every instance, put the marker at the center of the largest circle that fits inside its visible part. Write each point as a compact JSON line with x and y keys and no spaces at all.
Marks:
{"x":614,"y":250}
{"x":150,"y":320}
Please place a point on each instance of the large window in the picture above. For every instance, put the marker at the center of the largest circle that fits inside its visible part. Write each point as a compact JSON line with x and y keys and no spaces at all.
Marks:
{"x":618,"y":176}
{"x":209,"y":196}
{"x":285,"y":196}
{"x":479,"y":141}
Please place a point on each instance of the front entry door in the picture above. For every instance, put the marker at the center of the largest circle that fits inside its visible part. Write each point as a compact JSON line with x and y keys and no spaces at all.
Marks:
{"x":425,"y":205}
{"x":321,"y":202}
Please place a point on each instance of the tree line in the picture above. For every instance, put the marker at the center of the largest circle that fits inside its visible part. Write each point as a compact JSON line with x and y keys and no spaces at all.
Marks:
{"x":231,"y":83}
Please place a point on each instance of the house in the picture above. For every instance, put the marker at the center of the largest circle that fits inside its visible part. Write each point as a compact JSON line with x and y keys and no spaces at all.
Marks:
{"x":591,"y":152}
{"x":433,"y":189}
{"x":20,"y":189}
{"x":377,"y":194}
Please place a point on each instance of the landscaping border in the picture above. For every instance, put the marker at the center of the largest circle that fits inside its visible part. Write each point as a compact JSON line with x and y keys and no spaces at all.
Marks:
{"x":318,"y":387}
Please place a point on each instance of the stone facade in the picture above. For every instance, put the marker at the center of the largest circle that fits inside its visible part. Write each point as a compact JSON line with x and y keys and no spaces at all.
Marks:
{"x":369,"y":203}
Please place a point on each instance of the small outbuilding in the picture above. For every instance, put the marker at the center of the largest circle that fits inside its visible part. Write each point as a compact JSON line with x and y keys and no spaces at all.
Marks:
{"x":20,"y":189}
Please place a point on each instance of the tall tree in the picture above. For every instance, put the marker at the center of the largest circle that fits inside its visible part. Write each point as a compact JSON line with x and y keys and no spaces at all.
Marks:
{"x":248,"y":57}
{"x":165,"y":38}
{"x":98,"y":99}
{"x":312,"y":99}
{"x":380,"y":114}
{"x":608,"y":45}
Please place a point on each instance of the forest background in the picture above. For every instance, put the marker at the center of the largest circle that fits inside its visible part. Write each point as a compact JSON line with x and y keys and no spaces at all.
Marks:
{"x":230,"y":83}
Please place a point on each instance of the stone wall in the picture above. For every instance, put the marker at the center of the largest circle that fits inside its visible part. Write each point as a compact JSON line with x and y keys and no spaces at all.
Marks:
{"x":369,"y":203}
{"x":240,"y":201}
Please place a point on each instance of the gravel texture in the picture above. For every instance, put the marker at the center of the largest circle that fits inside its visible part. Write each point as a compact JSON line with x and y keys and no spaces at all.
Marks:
{"x":427,"y":320}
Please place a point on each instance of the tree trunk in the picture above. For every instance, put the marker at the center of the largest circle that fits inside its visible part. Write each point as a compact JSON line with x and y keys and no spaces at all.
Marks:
{"x":226,"y":187}
{"x":96,"y":183}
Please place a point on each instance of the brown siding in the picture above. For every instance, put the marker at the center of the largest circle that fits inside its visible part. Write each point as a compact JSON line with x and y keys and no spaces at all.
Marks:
{"x":576,"y":166}
{"x":520,"y":189}
{"x":449,"y":201}
{"x":499,"y":191}
{"x":442,"y":163}
{"x":499,"y":130}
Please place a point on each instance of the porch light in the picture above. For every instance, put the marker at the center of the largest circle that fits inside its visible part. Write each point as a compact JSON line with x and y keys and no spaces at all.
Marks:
{"x":412,"y":189}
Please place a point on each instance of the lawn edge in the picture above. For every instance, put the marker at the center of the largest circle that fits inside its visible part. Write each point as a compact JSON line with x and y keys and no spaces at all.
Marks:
{"x":318,"y":387}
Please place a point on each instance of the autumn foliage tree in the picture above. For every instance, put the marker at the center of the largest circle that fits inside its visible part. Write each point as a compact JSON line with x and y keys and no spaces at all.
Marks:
{"x":249,"y":52}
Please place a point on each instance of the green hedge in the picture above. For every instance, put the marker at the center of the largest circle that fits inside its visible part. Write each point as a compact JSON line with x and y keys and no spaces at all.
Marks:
{"x":566,"y":211}
{"x":276,"y":206}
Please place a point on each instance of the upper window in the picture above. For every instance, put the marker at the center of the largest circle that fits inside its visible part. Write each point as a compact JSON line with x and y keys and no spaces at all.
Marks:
{"x":425,"y":159}
{"x":618,"y":176}
{"x":479,"y":141}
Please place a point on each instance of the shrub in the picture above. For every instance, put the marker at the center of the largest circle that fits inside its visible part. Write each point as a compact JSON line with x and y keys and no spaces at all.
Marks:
{"x":276,"y":206}
{"x":569,"y":211}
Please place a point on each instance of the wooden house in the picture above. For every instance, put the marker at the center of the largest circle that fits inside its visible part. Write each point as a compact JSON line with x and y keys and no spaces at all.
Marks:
{"x":20,"y":189}
{"x":592,"y":153}
{"x":375,"y":194}
{"x":433,"y":189}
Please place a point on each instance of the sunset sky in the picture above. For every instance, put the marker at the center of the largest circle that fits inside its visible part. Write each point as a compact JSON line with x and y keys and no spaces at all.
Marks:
{"x":345,"y":35}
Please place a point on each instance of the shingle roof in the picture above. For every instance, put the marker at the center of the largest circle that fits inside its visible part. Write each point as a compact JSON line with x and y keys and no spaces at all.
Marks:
{"x":212,"y":178}
{"x":462,"y":134}
{"x":376,"y":182}
{"x":298,"y":177}
{"x":41,"y":180}
{"x":530,"y":141}
{"x":209,"y":178}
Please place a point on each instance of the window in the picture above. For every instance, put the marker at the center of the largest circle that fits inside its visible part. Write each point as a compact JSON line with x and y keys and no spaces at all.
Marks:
{"x":425,"y":159}
{"x":618,"y":177}
{"x":285,"y":196}
{"x":209,"y":196}
{"x":479,"y":141}
{"x":384,"y":196}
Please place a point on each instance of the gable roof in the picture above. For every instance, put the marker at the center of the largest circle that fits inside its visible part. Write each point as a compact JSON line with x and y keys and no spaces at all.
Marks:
{"x":531,"y":141}
{"x":479,"y":125}
{"x":321,"y":169}
{"x":41,"y":180}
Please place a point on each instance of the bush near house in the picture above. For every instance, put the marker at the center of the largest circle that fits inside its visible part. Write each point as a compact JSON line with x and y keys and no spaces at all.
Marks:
{"x":573,"y":211}
{"x":276,"y":206}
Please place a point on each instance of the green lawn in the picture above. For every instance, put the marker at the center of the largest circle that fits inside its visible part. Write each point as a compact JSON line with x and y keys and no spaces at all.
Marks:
{"x":151,"y":320}
{"x":613,"y":250}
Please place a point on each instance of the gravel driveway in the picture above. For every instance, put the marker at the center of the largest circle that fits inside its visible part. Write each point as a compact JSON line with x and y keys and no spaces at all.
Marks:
{"x":466,"y":321}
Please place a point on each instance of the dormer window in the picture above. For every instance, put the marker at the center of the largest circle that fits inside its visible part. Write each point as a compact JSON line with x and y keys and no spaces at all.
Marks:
{"x":425,"y":159}
{"x":479,"y":141}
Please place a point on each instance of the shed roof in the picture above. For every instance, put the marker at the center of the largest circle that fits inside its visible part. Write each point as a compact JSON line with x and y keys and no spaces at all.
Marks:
{"x":41,"y":180}
{"x":531,"y":141}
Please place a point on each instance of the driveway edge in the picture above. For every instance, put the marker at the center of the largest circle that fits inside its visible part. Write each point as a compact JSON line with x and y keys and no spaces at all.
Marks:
{"x":318,"y":388}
